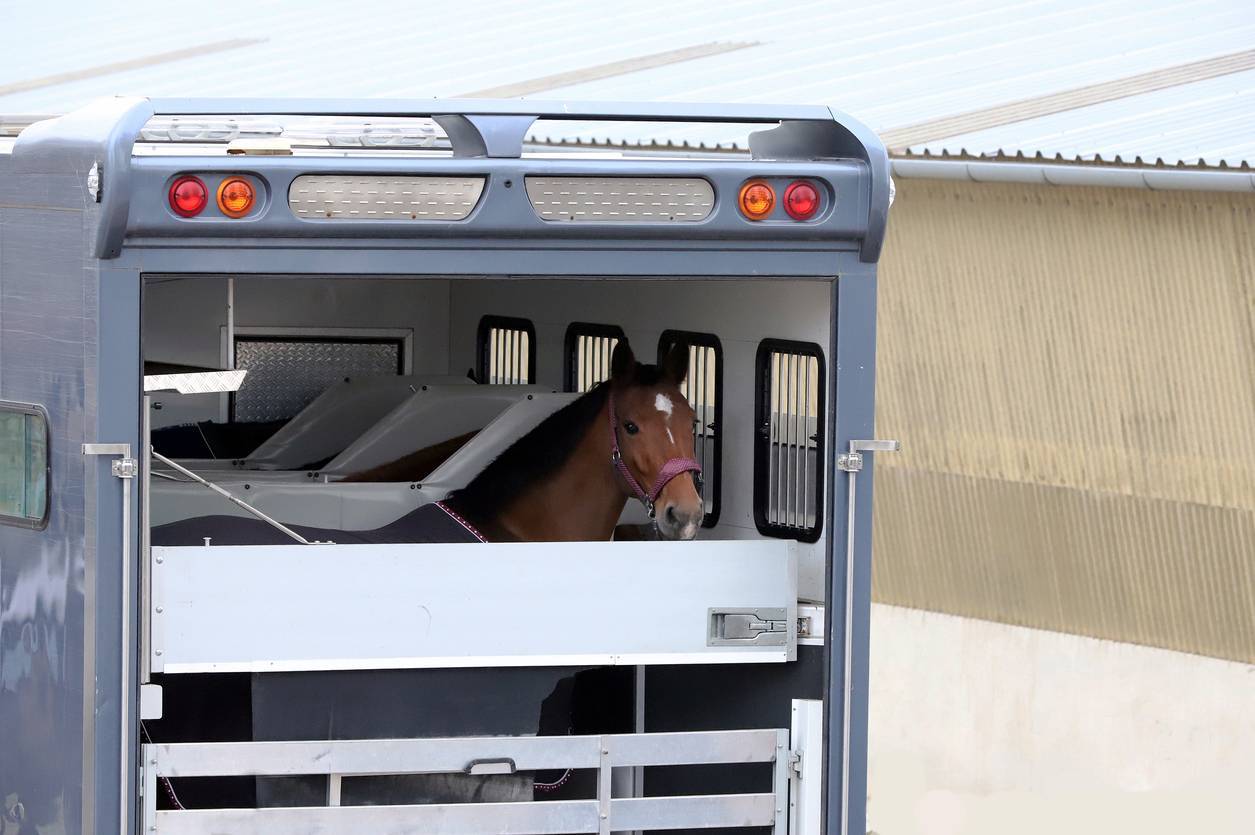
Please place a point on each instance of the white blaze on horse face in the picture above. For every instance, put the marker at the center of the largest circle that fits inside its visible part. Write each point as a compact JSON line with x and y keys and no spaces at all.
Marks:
{"x":663,"y":404}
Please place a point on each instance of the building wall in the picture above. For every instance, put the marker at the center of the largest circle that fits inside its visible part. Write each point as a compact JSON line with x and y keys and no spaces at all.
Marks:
{"x":979,"y":728}
{"x":1072,"y":374}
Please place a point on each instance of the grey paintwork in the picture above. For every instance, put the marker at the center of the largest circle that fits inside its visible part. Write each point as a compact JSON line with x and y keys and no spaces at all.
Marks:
{"x":70,"y":292}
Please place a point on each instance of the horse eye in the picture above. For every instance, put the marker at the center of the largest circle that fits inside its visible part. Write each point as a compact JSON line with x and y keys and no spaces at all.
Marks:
{"x":631,"y":428}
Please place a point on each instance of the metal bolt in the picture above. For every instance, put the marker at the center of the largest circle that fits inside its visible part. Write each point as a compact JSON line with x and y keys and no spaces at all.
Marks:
{"x":160,"y":560}
{"x":605,"y":751}
{"x":160,"y":610}
{"x":158,"y":652}
{"x":604,"y":816}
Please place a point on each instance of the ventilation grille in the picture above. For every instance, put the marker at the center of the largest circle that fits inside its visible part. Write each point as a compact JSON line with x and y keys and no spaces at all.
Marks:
{"x":342,"y":197}
{"x":507,"y":351}
{"x":704,"y":389}
{"x":621,"y":199}
{"x":589,"y":349}
{"x":788,"y":460}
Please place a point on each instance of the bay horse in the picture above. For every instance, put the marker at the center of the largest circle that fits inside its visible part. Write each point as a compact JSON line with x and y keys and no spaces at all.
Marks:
{"x":570,"y":477}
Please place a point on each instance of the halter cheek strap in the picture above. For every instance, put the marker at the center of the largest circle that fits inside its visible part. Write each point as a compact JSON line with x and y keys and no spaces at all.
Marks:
{"x":672,"y":468}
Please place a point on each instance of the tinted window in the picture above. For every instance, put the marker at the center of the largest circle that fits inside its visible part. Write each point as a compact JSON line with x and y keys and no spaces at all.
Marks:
{"x":23,"y":465}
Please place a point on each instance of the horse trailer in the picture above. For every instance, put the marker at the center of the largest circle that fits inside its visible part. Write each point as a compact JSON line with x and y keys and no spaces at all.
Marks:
{"x":323,"y":430}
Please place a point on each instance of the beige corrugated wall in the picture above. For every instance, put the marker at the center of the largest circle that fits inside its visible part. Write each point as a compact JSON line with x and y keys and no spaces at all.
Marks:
{"x":1072,"y":374}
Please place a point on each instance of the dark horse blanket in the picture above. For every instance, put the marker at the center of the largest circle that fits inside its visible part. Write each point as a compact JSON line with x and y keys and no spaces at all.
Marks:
{"x":432,"y":523}
{"x":428,"y":524}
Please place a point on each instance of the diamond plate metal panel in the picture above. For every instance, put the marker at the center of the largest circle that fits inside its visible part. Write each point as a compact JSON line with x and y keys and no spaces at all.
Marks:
{"x":284,"y":375}
{"x":621,"y":199}
{"x":346,"y":197}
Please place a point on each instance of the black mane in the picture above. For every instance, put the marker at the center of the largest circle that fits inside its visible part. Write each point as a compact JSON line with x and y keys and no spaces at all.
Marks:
{"x":538,"y":454}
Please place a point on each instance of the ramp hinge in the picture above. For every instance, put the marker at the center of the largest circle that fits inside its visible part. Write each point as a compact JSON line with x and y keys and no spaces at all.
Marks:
{"x":125,"y":467}
{"x":795,"y":763}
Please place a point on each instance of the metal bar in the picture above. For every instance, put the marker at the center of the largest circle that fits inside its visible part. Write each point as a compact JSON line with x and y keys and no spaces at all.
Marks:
{"x":715,"y":811}
{"x":780,"y":782}
{"x":368,"y":757}
{"x":274,"y":523}
{"x":148,"y":820}
{"x":123,"y":468}
{"x":491,"y":369}
{"x":527,"y":358}
{"x":848,"y":660}
{"x":574,"y":110}
{"x":791,"y":441}
{"x":511,"y":355}
{"x":806,"y":450}
{"x":334,"y":782}
{"x":128,"y":763}
{"x":145,"y":546}
{"x":452,"y":754}
{"x":779,"y":361}
{"x":499,"y":355}
{"x":800,"y":424}
{"x":806,"y":785}
{"x":231,"y":324}
{"x":604,"y":788}
{"x":511,"y":337}
{"x":692,"y":748}
{"x":553,"y":818}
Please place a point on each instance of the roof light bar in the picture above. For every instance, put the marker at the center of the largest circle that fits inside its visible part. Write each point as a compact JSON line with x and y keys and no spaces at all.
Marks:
{"x":301,"y":131}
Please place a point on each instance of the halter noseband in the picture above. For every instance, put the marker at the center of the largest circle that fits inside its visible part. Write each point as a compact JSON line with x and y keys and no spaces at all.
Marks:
{"x":672,"y":468}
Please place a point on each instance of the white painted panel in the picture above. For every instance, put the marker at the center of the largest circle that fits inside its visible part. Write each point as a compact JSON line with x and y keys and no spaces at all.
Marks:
{"x":339,"y":416}
{"x":429,"y":416}
{"x":279,"y":607}
{"x":347,"y":507}
{"x":184,"y":318}
{"x":806,"y":784}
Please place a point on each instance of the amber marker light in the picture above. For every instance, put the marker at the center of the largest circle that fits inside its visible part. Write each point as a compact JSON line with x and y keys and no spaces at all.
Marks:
{"x":757,"y":200}
{"x":235,"y":197}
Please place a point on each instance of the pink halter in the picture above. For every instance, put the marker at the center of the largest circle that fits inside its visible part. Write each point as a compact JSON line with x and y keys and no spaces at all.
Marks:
{"x":672,"y":468}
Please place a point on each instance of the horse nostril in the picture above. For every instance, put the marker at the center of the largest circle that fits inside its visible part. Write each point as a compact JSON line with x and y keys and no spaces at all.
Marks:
{"x":671,"y":515}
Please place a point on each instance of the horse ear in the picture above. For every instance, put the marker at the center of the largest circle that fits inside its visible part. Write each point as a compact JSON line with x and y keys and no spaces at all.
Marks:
{"x":675,"y":365}
{"x":622,"y":362}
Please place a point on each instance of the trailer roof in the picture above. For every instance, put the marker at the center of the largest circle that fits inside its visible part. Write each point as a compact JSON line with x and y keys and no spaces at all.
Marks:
{"x":1161,"y":82}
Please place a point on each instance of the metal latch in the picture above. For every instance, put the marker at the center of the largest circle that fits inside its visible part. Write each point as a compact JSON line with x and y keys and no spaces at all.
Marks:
{"x":852,"y":461}
{"x":125,"y":467}
{"x":766,"y":626}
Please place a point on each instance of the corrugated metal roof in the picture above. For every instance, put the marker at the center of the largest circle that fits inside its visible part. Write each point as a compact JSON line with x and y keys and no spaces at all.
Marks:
{"x":892,"y":63}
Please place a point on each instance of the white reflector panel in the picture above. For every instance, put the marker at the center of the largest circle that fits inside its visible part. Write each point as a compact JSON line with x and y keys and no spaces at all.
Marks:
{"x":621,"y":199}
{"x":347,"y":197}
{"x":203,"y":382}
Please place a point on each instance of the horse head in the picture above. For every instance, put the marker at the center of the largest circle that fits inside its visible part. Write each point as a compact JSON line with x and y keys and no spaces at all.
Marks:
{"x":652,"y":438}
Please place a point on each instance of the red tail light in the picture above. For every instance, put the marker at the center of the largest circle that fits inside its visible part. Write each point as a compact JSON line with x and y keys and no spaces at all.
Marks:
{"x":188,"y":196}
{"x":801,"y":200}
